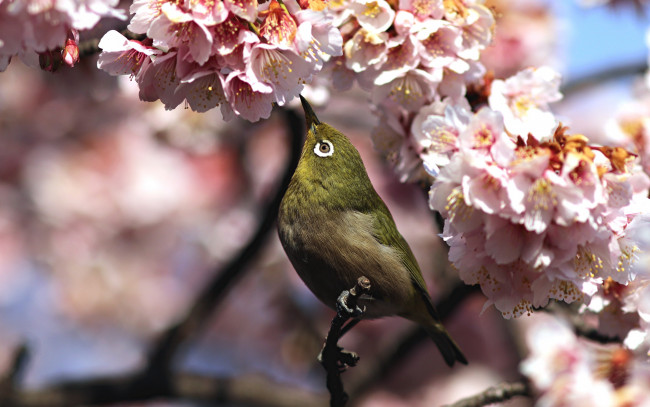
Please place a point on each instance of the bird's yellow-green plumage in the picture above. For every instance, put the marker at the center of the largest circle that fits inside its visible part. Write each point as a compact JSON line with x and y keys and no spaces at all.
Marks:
{"x":335,"y":228}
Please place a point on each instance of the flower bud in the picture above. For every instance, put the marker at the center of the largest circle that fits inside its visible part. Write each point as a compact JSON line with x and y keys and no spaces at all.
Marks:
{"x":70,"y":53}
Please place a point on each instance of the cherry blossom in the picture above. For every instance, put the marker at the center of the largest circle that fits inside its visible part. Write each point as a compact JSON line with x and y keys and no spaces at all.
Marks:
{"x":121,"y":56}
{"x":523,"y":101}
{"x":429,"y":56}
{"x":531,"y":221}
{"x":433,"y":41}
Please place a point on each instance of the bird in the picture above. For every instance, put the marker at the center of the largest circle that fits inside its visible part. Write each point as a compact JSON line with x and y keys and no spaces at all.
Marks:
{"x":335,"y":228}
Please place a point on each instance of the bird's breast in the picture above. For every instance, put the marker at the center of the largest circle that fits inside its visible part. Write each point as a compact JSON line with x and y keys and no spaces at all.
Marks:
{"x":331,"y":250}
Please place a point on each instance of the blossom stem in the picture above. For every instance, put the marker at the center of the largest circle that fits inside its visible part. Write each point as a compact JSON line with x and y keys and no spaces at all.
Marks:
{"x":254,"y":28}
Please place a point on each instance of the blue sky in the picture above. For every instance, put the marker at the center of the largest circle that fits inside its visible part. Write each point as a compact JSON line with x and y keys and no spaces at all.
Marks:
{"x":600,"y":36}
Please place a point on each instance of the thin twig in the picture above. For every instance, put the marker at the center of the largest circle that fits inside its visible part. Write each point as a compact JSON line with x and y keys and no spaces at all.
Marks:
{"x":333,"y":358}
{"x":495,"y":394}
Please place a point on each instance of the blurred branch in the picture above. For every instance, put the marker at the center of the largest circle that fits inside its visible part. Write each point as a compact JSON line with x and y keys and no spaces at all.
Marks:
{"x":637,"y":4}
{"x":582,"y":329}
{"x":385,"y":365}
{"x":245,"y":390}
{"x":10,"y":381}
{"x":580,"y":326}
{"x":334,"y":359}
{"x":16,"y":367}
{"x":156,"y":379}
{"x":597,"y":78}
{"x":167,"y":346}
{"x":495,"y":394}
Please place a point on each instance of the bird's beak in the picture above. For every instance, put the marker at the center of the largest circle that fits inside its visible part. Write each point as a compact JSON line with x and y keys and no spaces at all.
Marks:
{"x":310,"y":117}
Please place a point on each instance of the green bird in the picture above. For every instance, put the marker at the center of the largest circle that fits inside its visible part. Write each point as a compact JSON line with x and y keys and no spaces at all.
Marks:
{"x":335,"y":228}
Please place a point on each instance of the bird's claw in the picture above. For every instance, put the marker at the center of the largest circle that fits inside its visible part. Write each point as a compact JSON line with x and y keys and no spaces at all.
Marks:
{"x":347,"y":359}
{"x":344,"y":358}
{"x":343,"y":308}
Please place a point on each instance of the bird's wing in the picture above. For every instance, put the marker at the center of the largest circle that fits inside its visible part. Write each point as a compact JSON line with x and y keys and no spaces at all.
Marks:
{"x":387,"y":234}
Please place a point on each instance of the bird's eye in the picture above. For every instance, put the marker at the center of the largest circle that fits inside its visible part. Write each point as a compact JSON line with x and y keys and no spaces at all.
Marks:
{"x":324,"y":148}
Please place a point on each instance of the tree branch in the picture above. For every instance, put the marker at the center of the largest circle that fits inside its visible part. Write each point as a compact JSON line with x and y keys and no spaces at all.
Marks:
{"x":334,"y":359}
{"x":494,"y":394}
{"x":245,"y":390}
{"x":597,"y":78}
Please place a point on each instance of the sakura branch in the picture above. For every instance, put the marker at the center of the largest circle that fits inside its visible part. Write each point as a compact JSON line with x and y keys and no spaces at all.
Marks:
{"x":251,"y":390}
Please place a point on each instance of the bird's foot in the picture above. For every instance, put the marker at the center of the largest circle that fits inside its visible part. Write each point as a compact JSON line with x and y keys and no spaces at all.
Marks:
{"x":343,"y":309}
{"x":344,"y":358}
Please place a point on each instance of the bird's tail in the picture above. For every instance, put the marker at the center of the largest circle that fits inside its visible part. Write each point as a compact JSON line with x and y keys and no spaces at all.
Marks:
{"x":448,"y":347}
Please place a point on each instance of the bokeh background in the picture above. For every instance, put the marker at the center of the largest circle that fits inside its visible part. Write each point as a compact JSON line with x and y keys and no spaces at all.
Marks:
{"x":115,"y":214}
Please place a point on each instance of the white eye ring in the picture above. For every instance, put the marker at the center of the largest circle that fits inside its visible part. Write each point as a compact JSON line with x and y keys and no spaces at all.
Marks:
{"x":324,"y":148}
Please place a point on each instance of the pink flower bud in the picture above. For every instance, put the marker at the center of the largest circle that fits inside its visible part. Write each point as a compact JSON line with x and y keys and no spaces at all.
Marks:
{"x":70,"y":53}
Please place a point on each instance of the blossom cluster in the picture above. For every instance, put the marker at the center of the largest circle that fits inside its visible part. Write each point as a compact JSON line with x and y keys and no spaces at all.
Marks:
{"x":568,"y":371}
{"x":239,"y":55}
{"x":411,"y":50}
{"x":49,"y":28}
{"x":407,"y":55}
{"x":531,"y":213}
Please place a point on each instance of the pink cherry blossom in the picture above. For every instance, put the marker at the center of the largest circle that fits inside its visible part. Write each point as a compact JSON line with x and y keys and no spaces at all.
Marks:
{"x":251,"y":104}
{"x":523,"y":101}
{"x":230,"y":34}
{"x":279,"y":27}
{"x":373,"y":15}
{"x":175,"y":27}
{"x":423,"y":9}
{"x":318,"y":39}
{"x":203,"y":90}
{"x":365,"y":49}
{"x":121,"y":56}
{"x":436,"y":128}
{"x":441,"y":44}
{"x":244,"y":9}
{"x":281,"y":69}
{"x":411,"y":88}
